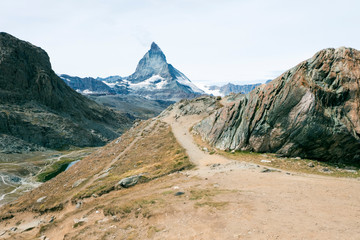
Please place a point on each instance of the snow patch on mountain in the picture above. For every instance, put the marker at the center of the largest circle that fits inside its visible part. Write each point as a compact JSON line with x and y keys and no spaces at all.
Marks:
{"x":154,"y":82}
{"x":110,"y":84}
{"x":207,"y":90}
{"x":182,"y":79}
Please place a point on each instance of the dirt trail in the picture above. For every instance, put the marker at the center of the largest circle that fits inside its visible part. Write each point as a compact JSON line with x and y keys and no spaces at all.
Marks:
{"x":180,"y":127}
{"x":276,"y":205}
{"x":221,"y":199}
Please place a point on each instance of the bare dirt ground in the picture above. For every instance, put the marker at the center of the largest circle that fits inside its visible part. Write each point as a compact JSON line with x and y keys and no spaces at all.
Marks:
{"x":275,"y":205}
{"x":218,"y":199}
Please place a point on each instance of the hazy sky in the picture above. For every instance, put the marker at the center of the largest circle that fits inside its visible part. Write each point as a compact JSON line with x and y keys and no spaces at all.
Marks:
{"x":209,"y":41}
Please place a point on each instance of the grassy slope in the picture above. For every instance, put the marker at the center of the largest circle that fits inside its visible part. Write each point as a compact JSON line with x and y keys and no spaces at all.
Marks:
{"x":155,"y":154}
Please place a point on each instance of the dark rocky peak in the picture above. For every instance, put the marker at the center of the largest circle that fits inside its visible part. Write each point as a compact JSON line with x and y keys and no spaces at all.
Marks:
{"x":155,"y":48}
{"x":153,"y":63}
{"x":155,"y":53}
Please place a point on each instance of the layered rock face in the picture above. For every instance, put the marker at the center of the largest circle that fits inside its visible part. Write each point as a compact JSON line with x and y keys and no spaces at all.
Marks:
{"x":39,"y":109}
{"x":310,"y":111}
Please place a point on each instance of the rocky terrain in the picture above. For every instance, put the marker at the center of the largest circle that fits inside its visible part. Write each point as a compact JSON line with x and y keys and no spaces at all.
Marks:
{"x":311,"y":111}
{"x":231,"y":167}
{"x":39,"y":110}
{"x":181,"y":188}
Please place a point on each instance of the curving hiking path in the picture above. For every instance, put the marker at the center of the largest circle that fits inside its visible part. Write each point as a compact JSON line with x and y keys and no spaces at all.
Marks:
{"x":277,"y":205}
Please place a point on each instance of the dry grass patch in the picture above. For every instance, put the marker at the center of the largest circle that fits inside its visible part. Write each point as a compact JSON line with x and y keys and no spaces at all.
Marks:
{"x":207,"y":193}
{"x":295,"y":165}
{"x":139,"y":207}
{"x":61,"y":188}
{"x":156,"y":154}
{"x":212,"y":204}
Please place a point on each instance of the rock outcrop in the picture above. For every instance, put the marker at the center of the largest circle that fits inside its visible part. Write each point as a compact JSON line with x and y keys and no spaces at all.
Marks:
{"x":310,"y":111}
{"x":40,"y":110}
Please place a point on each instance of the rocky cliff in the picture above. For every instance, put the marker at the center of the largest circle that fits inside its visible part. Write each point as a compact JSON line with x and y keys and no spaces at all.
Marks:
{"x":40,"y":110}
{"x":310,"y":111}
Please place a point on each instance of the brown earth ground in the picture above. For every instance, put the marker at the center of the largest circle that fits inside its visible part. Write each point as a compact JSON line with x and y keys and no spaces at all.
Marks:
{"x":219,"y":198}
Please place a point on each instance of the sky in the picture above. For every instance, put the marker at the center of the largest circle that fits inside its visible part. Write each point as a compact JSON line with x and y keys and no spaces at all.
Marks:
{"x":210,"y":41}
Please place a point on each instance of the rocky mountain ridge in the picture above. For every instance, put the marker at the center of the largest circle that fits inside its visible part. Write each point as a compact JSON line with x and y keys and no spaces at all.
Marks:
{"x":39,"y":110}
{"x":231,"y":88}
{"x":311,"y":111}
{"x":153,"y":78}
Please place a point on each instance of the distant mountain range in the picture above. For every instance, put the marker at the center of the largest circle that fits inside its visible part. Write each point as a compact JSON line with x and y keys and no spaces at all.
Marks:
{"x":230,"y":88}
{"x":153,"y":79}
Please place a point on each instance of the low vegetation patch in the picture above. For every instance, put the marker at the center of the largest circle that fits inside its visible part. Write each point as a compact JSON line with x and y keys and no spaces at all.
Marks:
{"x":139,"y":207}
{"x":155,"y":154}
{"x":212,"y":204}
{"x":284,"y":163}
{"x":295,"y":164}
{"x":54,"y":169}
{"x":207,"y":193}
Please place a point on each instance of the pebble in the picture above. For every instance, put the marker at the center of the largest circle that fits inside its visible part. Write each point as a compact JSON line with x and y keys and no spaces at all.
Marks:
{"x":51,"y":219}
{"x":40,"y":200}
{"x":265,"y":161}
{"x":79,"y":204}
{"x":310,"y":164}
{"x":78,"y":182}
{"x":179,"y":193}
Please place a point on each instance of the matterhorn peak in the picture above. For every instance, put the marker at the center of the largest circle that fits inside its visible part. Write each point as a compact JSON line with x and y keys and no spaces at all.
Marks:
{"x":155,"y":78}
{"x":154,"y":47}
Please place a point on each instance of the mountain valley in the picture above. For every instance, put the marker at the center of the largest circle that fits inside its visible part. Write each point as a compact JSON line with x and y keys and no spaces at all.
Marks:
{"x":151,"y":156}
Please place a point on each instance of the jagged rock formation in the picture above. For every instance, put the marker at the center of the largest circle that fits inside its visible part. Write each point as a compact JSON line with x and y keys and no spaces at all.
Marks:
{"x":95,"y":87}
{"x":40,"y":110}
{"x":153,"y":79}
{"x":231,"y":88}
{"x":310,"y":111}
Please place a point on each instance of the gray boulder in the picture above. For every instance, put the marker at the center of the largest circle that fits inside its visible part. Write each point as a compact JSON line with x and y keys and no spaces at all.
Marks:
{"x":129,"y":181}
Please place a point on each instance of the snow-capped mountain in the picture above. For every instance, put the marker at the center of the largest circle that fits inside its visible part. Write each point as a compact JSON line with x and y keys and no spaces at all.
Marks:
{"x":230,"y":88}
{"x":153,"y":78}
